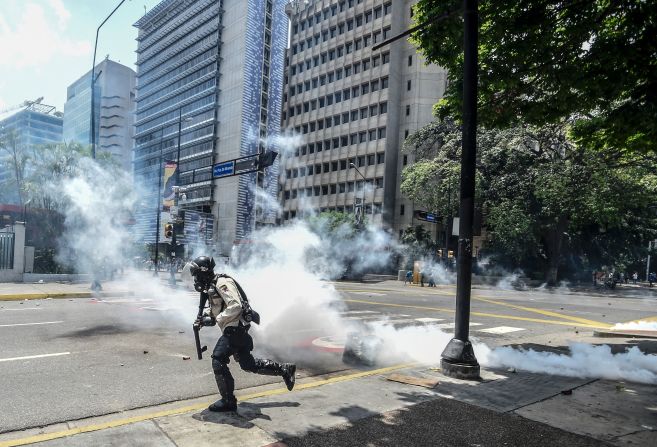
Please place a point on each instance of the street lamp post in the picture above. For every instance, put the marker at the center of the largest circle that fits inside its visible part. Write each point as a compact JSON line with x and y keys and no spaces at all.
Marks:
{"x":156,"y":262}
{"x":172,"y":270}
{"x":458,"y":358}
{"x":366,"y":181}
{"x":93,"y":82}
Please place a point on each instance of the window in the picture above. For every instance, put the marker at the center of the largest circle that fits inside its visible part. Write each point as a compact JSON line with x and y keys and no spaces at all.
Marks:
{"x":384,"y":83}
{"x":326,"y":167}
{"x":311,"y":150}
{"x":358,"y":44}
{"x":355,"y":91}
{"x":361,"y":160}
{"x":386,"y":32}
{"x":348,"y":47}
{"x":359,"y":20}
{"x":372,"y":137}
{"x":380,"y":157}
{"x":324,"y":190}
{"x":370,"y":159}
{"x":319,"y":147}
{"x":387,"y":8}
{"x":345,"y":117}
{"x":406,"y":133}
{"x":346,"y":94}
{"x":354,"y":115}
{"x":329,"y":100}
{"x":376,"y":61}
{"x":347,"y":72}
{"x":367,"y":40}
{"x":410,"y":60}
{"x":363,"y":113}
{"x":322,"y":102}
{"x":366,"y":64}
{"x":317,"y":190}
{"x":313,"y":104}
{"x":344,"y":142}
{"x":334,"y":166}
{"x":329,"y":122}
{"x":365,"y":88}
{"x":405,"y":160}
{"x":336,"y":143}
{"x":350,"y":187}
{"x":353,"y":138}
{"x":331,"y":54}
{"x":377,"y":36}
{"x":362,"y":138}
{"x":368,"y":16}
{"x":343,"y":165}
{"x":331,"y":77}
{"x":383,"y":108}
{"x":307,"y":85}
{"x":408,"y":110}
{"x":401,"y":210}
{"x":386,"y":58}
{"x":374,"y":110}
{"x":315,"y":82}
{"x":338,"y":96}
{"x":377,"y":12}
{"x":379,"y":182}
{"x":342,"y":188}
{"x":375,"y":85}
{"x":333,"y":189}
{"x":294,"y":194}
{"x":357,"y":67}
{"x":312,"y":126}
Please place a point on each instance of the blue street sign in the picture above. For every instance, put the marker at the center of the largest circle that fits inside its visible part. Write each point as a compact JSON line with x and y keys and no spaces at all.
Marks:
{"x":224,"y":169}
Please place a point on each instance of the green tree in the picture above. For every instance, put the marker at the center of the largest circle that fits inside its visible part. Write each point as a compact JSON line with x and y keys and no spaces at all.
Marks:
{"x":546,"y":61}
{"x":14,"y":156}
{"x":541,"y":194}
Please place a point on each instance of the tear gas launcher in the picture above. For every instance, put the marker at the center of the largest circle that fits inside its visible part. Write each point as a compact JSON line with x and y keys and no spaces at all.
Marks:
{"x":202,"y":319}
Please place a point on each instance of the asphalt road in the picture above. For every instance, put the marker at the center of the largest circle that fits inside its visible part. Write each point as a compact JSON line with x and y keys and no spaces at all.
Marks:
{"x":69,"y":359}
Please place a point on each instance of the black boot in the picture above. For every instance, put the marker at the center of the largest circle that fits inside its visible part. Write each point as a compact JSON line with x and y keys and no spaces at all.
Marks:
{"x":226,"y":386}
{"x":223,"y":405}
{"x":289,"y":375}
{"x":271,"y":368}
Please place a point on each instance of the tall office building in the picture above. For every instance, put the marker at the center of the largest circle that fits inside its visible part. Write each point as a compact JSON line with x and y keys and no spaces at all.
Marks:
{"x":115,"y":105}
{"x":209,"y":88}
{"x":353,"y":107}
{"x":32,"y":124}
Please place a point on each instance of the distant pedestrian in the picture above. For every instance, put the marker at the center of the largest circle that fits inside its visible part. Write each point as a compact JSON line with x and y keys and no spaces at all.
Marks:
{"x":409,"y":277}
{"x":421,"y":279}
{"x":635,"y":277}
{"x":651,"y":278}
{"x":595,"y":276}
{"x":432,"y":283}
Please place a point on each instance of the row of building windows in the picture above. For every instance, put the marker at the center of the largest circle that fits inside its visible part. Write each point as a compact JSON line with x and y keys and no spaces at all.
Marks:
{"x":336,"y":165}
{"x":342,"y":141}
{"x":144,"y":90}
{"x":339,"y":51}
{"x":353,"y":92}
{"x":333,"y":188}
{"x":338,"y":74}
{"x":367,"y":16}
{"x":287,"y":215}
{"x":345,"y":117}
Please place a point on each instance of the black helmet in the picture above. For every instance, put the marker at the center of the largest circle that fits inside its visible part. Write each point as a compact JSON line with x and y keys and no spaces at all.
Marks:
{"x":202,"y":269}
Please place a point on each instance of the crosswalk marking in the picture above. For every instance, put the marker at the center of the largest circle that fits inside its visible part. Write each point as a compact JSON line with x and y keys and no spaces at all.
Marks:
{"x":428,"y":320}
{"x":501,"y":330}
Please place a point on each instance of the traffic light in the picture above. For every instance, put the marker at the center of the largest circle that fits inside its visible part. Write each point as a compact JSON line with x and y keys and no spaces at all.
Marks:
{"x":266,"y":159}
{"x":168,"y":230}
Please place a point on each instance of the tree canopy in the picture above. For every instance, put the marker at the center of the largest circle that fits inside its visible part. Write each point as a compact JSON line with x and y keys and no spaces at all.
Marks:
{"x":545,"y":199}
{"x":546,"y":61}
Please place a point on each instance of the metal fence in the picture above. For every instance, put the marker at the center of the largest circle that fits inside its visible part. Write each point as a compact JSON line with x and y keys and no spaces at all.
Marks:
{"x":6,"y":250}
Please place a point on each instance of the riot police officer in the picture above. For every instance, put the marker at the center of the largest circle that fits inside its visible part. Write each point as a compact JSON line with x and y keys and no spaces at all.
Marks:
{"x":232,"y":313}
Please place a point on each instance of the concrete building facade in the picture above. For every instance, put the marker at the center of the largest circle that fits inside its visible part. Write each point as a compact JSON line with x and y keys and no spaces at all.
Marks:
{"x":353,"y":107}
{"x":214,"y":68}
{"x":115,"y":108}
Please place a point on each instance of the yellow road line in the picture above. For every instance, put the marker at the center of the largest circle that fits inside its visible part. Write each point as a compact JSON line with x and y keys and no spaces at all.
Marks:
{"x":547,"y":313}
{"x":35,"y":296}
{"x":190,"y":408}
{"x":578,"y":320}
{"x":484,"y":314}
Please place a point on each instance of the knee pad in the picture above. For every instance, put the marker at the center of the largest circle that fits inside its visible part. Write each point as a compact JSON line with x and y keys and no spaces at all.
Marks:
{"x":220,"y":365}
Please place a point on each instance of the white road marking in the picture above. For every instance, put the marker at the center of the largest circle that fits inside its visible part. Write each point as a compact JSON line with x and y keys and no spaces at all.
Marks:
{"x":451,"y":325}
{"x":428,"y":320}
{"x":501,"y":330}
{"x":355,"y":312}
{"x":34,"y":356}
{"x":369,"y":293}
{"x":30,"y":324}
{"x":22,"y":308}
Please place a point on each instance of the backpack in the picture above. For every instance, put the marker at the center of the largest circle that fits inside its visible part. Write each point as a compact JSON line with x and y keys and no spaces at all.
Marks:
{"x":248,"y":314}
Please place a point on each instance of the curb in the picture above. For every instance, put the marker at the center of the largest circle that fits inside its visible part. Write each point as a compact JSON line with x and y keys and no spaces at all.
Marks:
{"x":625,"y":334}
{"x":61,"y":295}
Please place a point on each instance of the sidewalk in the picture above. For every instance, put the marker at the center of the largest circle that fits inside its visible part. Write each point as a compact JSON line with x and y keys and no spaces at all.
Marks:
{"x":27,"y":291}
{"x":365,"y":408}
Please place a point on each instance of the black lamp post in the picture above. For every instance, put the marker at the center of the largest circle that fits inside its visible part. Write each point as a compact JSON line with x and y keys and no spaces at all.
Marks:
{"x":93,"y":82}
{"x":158,"y":207}
{"x":172,"y":279}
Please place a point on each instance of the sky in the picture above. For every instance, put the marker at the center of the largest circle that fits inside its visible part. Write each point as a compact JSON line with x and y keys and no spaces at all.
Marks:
{"x":46,"y":45}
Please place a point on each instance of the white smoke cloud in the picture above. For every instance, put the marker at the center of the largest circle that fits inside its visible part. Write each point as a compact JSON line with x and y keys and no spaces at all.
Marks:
{"x":637,"y":326}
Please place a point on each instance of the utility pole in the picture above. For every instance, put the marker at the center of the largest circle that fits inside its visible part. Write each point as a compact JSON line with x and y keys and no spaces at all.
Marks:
{"x":174,"y":216}
{"x":458,"y":358}
{"x":158,"y":208}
